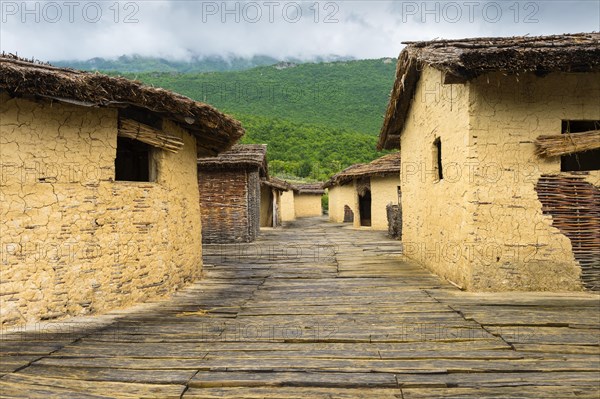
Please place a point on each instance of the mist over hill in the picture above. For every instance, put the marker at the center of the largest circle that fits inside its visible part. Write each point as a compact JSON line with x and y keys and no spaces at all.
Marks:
{"x":197,"y":63}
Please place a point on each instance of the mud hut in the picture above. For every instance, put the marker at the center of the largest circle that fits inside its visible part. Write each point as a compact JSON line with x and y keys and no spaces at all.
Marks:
{"x":304,"y":200}
{"x":500,"y":159}
{"x":230,"y":193}
{"x":271,"y":190}
{"x":99,"y":203}
{"x":361,"y":193}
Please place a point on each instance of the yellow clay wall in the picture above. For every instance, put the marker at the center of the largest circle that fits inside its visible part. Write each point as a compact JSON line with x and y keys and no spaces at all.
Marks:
{"x":384,"y":190}
{"x":437,"y":215}
{"x":340,"y":196}
{"x":288,"y":211}
{"x":522,"y":251}
{"x":307,"y":205}
{"x":72,"y":240}
{"x":482,"y":225}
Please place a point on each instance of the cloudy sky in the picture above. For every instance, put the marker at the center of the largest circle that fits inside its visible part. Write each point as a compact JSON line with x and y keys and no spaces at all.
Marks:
{"x":58,"y":30}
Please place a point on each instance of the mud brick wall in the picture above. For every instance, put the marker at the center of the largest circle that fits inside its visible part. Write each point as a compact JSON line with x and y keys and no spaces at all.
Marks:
{"x":523,"y":248}
{"x":437,"y":213}
{"x":339,"y":198}
{"x":482,"y":225}
{"x":384,"y":191}
{"x":73,"y":241}
{"x":307,"y":205}
{"x":288,"y":206}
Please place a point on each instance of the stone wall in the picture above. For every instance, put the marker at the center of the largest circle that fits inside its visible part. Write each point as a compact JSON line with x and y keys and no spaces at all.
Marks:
{"x":73,"y":240}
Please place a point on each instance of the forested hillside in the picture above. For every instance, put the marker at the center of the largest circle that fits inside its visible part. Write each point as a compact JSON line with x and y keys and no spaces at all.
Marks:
{"x":316,"y":118}
{"x":349,"y":95}
{"x":306,"y":150}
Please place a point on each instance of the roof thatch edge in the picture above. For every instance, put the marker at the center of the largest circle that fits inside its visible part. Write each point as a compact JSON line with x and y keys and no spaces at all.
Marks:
{"x":465,"y":59}
{"x":215,"y":131}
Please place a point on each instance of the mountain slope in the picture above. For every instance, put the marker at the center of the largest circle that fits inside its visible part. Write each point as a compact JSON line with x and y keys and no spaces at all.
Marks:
{"x":316,"y":118}
{"x":306,"y":150}
{"x":349,"y":95}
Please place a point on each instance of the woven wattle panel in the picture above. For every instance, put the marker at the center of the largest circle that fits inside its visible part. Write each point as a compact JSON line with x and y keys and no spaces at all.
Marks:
{"x":575,"y":208}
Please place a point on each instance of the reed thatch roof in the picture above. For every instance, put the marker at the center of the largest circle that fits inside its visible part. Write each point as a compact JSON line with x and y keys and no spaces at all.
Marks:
{"x":564,"y":144}
{"x":463,"y":60}
{"x":386,"y":165}
{"x":277,"y":183}
{"x":309,"y":188}
{"x":214,"y":130}
{"x":240,"y":156}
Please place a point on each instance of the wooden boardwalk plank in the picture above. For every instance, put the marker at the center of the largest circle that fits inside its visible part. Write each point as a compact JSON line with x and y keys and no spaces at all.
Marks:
{"x":292,"y":392}
{"x":317,"y":310}
{"x":35,"y":386}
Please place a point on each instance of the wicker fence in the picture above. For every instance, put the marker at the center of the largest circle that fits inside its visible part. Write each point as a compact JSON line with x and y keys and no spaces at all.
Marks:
{"x":575,"y":208}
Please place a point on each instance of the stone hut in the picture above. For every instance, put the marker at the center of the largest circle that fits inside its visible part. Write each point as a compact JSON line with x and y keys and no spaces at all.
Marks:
{"x":98,"y":192}
{"x":361,"y":193}
{"x":499,"y":139}
{"x":230,"y":193}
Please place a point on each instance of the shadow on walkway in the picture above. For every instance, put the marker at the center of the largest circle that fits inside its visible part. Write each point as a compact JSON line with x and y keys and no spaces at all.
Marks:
{"x":317,"y":310}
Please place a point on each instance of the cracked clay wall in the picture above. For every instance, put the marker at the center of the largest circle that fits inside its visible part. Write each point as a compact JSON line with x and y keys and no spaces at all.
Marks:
{"x":520,"y":250}
{"x":307,"y":205}
{"x":266,"y":206}
{"x":384,"y":190}
{"x":437,"y":214}
{"x":72,"y":240}
{"x":288,"y":208}
{"x":340,"y":196}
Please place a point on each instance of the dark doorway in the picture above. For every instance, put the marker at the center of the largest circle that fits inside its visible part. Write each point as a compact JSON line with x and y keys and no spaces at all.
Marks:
{"x":364,"y":206}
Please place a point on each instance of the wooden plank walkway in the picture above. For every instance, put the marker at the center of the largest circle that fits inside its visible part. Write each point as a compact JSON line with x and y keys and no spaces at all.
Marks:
{"x":316,"y":310}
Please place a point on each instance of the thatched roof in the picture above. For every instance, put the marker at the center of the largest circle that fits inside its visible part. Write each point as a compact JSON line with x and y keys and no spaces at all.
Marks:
{"x":214,"y":130}
{"x":463,"y":60}
{"x":386,"y":165}
{"x":565,"y":144}
{"x":240,"y":156}
{"x":277,"y":183}
{"x":309,"y":188}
